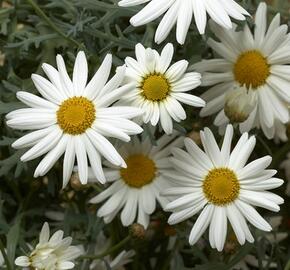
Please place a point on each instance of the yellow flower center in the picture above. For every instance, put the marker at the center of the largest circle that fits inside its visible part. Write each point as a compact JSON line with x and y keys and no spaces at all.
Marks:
{"x":251,"y":69}
{"x":155,"y":87}
{"x":221,"y":186}
{"x":140,"y":171}
{"x":75,"y":115}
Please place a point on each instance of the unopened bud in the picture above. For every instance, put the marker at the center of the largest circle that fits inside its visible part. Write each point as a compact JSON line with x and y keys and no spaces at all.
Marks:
{"x":169,"y":230}
{"x":231,"y":244}
{"x":239,"y":104}
{"x":137,"y":231}
{"x":75,"y":182}
{"x":195,"y":136}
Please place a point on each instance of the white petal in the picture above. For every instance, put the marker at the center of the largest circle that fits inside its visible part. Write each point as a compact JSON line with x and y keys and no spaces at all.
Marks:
{"x":44,"y":234}
{"x":165,"y":58}
{"x":165,"y":119}
{"x":65,"y":80}
{"x":95,"y":160}
{"x":48,"y":161}
{"x":114,"y":188}
{"x":100,"y":78}
{"x":47,"y":89}
{"x":80,"y":74}
{"x":129,"y":212}
{"x":68,"y":162}
{"x":35,"y":101}
{"x":81,"y":156}
{"x":105,"y":148}
{"x":254,"y":167}
{"x":253,"y":216}
{"x":234,"y":217}
{"x":201,"y":224}
{"x":44,"y":145}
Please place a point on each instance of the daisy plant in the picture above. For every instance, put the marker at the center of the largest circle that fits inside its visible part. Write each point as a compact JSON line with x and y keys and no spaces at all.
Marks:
{"x":113,"y":112}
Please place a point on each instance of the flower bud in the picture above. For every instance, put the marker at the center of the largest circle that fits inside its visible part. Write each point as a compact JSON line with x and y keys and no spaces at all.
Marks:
{"x":239,"y":104}
{"x":75,"y":182}
{"x":137,"y":231}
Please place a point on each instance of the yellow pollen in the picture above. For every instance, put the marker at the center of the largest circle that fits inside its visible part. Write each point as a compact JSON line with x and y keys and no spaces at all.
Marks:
{"x":75,"y":115}
{"x":155,"y":87}
{"x":221,"y":186}
{"x":140,"y":171}
{"x":251,"y":69}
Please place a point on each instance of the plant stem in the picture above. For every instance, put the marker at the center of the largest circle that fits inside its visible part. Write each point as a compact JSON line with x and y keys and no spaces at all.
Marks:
{"x":287,"y":267}
{"x":108,"y":251}
{"x":4,"y":254}
{"x":51,"y":24}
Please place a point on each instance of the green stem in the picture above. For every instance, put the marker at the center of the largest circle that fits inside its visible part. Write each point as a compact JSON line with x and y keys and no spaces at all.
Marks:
{"x":264,"y":144}
{"x":287,"y":267}
{"x":108,"y":251}
{"x":96,"y":187}
{"x":51,"y":24}
{"x":4,"y":254}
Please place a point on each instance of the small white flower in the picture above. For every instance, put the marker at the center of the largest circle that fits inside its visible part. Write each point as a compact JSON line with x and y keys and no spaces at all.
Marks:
{"x":51,"y":253}
{"x":218,"y":183}
{"x":74,"y":118}
{"x":180,"y":12}
{"x":136,"y":188}
{"x":159,"y":87}
{"x":257,"y":63}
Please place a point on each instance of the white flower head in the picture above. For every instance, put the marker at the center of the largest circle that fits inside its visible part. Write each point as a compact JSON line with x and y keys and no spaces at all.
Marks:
{"x":160,"y":87}
{"x":51,"y":253}
{"x":136,"y":188}
{"x":257,"y":63}
{"x":180,"y":12}
{"x":218,"y":183}
{"x":74,"y":118}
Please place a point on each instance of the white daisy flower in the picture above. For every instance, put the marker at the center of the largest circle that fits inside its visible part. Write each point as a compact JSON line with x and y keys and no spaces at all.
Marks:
{"x":180,"y":12}
{"x":160,"y":87}
{"x":74,"y":118}
{"x":256,"y":64}
{"x":137,"y":188}
{"x":51,"y":253}
{"x":218,"y":183}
